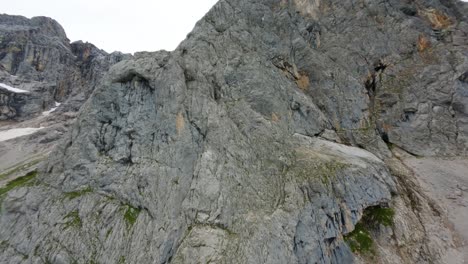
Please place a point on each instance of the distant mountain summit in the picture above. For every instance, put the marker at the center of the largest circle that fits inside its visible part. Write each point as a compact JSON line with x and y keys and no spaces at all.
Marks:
{"x":36,"y":55}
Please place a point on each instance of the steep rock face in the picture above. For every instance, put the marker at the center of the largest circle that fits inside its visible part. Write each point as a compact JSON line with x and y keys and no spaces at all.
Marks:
{"x":242,"y":145}
{"x":35,"y":55}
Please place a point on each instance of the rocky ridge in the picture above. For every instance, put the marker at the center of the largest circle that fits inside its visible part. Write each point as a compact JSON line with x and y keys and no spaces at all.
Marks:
{"x":44,"y":80}
{"x":37,"y":57}
{"x":275,"y":133}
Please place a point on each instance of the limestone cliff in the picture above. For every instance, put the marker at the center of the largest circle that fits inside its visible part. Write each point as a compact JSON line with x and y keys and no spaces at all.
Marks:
{"x":36,"y":56}
{"x":273,"y":134}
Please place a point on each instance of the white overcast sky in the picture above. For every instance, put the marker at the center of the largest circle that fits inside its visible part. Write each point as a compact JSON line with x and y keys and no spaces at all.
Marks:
{"x":118,"y":25}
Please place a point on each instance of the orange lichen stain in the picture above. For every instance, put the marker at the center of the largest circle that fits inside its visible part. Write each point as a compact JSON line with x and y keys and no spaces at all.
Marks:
{"x":303,"y":82}
{"x":180,"y":123}
{"x":274,"y":117}
{"x":438,"y":19}
{"x":423,"y":43}
{"x":387,"y":127}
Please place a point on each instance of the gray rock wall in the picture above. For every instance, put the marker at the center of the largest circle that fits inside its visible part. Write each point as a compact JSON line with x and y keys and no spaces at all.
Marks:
{"x":246,"y":144}
{"x":36,"y":55}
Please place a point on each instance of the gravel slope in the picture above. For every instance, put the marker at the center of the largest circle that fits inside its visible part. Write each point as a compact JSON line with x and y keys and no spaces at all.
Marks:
{"x":446,"y":181}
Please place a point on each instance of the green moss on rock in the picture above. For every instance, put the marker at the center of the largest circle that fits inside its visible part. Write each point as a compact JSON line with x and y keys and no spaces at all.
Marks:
{"x":109,"y":232}
{"x":311,"y":166}
{"x":131,"y":215}
{"x":14,"y":49}
{"x":360,"y":240}
{"x":18,"y":182}
{"x":19,"y":167}
{"x":76,"y":194}
{"x":73,"y":220}
{"x":379,"y":215}
{"x":318,"y":170}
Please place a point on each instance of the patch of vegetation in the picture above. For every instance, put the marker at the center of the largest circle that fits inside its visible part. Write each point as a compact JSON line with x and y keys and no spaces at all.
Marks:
{"x":131,"y":215}
{"x":327,"y":171}
{"x":73,"y":220}
{"x":20,"y":167}
{"x":18,"y":182}
{"x":14,"y":49}
{"x":23,"y":181}
{"x":312,"y":168}
{"x":175,"y":182}
{"x":379,"y":215}
{"x":122,"y":260}
{"x":391,"y":146}
{"x":93,"y":258}
{"x":3,"y":245}
{"x":36,"y":251}
{"x":76,"y":194}
{"x":108,"y":233}
{"x":365,"y":131}
{"x":360,"y":240}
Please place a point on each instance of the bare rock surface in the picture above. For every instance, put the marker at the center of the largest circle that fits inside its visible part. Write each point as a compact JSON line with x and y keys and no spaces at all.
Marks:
{"x":44,"y":81}
{"x":36,"y":56}
{"x":263,"y":138}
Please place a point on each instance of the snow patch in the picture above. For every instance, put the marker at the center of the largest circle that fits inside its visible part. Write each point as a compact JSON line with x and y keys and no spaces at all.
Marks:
{"x":12,"y":89}
{"x":46,"y":113}
{"x":17,"y":132}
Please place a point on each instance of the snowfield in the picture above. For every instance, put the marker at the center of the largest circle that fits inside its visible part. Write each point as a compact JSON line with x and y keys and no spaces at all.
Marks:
{"x":12,"y":89}
{"x":17,"y":132}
